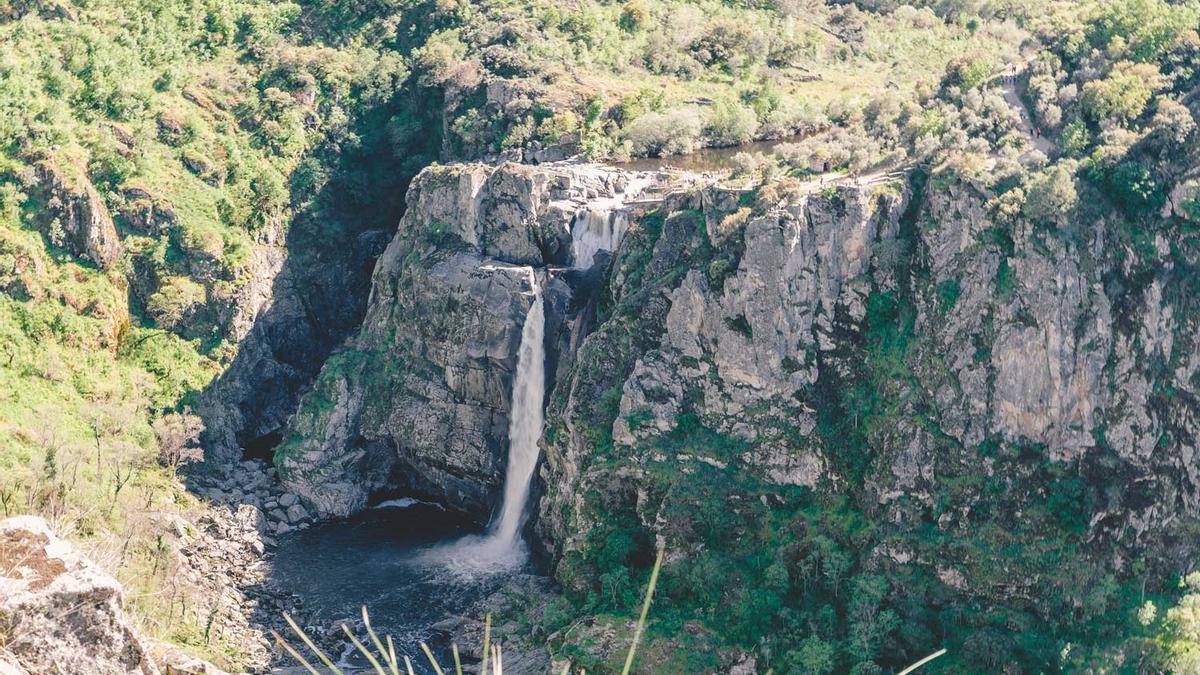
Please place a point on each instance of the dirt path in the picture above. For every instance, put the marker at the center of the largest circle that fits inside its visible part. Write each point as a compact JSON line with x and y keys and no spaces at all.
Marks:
{"x":1012,"y":96}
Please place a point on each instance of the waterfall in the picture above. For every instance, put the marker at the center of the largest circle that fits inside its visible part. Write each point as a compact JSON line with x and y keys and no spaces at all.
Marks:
{"x":525,"y":421}
{"x":594,"y":230}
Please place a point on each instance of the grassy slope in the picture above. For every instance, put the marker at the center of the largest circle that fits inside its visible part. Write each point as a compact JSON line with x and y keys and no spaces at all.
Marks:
{"x":84,"y":370}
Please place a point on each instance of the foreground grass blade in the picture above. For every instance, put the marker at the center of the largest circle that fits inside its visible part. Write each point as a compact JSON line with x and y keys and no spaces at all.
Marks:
{"x":378,"y":645}
{"x":408,"y":665}
{"x":641,"y":625}
{"x":295,"y":654}
{"x":365,"y":652}
{"x":487,"y":639}
{"x":392,"y":654}
{"x":433,"y":661}
{"x":457,"y":662}
{"x":320,"y":654}
{"x":922,"y":662}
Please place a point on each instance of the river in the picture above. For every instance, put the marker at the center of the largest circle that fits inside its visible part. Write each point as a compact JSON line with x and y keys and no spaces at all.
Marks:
{"x":706,"y":160}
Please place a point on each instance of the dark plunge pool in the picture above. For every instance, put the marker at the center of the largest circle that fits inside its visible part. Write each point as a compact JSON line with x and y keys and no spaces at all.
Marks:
{"x":412,"y":564}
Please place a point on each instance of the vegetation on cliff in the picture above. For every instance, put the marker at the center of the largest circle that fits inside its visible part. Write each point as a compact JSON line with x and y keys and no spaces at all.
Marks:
{"x":1014,"y":577}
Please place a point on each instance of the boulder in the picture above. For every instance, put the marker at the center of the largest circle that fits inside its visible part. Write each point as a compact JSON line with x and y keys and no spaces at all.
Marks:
{"x":8,"y":667}
{"x":172,"y":660}
{"x":62,"y":613}
{"x":296,"y":513}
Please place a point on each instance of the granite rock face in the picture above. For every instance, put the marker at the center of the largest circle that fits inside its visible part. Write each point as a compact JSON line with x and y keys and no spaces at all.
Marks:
{"x":418,"y":400}
{"x":76,"y":217}
{"x":62,"y":614}
{"x":747,"y":333}
{"x":734,"y":345}
{"x":289,"y":312}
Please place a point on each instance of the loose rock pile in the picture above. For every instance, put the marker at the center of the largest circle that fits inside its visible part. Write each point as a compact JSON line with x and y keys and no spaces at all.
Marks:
{"x":254,"y":483}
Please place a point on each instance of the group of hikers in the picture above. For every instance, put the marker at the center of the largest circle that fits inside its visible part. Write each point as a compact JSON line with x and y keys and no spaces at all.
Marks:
{"x":1011,"y":78}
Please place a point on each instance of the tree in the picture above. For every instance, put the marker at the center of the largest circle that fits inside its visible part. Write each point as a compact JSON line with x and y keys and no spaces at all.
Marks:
{"x":1075,"y":138}
{"x":178,"y":437}
{"x":634,"y":16}
{"x":814,"y":656}
{"x":1123,"y":95}
{"x":1134,"y":189}
{"x":1150,"y":26}
{"x":1051,"y":194}
{"x":1182,"y":638}
{"x":966,"y":72}
{"x":731,"y":123}
{"x":1173,"y":122}
{"x":659,"y":134}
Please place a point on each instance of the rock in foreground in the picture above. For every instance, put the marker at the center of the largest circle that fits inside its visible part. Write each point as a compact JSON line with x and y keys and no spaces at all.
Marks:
{"x":60,"y":613}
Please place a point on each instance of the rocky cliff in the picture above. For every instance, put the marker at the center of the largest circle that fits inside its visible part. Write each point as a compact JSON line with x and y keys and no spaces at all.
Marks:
{"x":418,"y":400}
{"x":754,"y":371}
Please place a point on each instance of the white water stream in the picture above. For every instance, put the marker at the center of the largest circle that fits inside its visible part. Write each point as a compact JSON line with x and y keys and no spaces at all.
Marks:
{"x":502,"y":548}
{"x":524,"y":421}
{"x":595,"y":230}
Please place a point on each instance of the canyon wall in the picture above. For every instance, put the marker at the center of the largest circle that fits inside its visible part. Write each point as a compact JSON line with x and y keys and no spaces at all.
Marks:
{"x":418,"y":401}
{"x":751,"y":371}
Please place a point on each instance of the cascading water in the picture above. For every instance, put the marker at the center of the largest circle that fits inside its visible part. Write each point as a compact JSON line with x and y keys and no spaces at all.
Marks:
{"x":525,"y":422}
{"x":501,"y":549}
{"x":409,"y":579}
{"x":414,"y":563}
{"x":595,"y":230}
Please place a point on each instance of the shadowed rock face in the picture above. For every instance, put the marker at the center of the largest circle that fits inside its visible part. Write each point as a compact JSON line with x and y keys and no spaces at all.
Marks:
{"x":62,"y":614}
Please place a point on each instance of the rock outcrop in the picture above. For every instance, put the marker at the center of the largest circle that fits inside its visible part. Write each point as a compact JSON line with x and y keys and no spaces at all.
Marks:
{"x":848,"y":340}
{"x":59,"y":613}
{"x":925,"y":363}
{"x":726,"y":314}
{"x":418,"y":400}
{"x":290,"y":312}
{"x":75,"y":218}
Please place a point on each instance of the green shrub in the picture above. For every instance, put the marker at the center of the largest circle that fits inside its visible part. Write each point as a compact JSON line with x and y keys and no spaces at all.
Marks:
{"x":730,"y":123}
{"x":673,"y":132}
{"x":1123,"y":95}
{"x":1051,"y":194}
{"x":1135,"y":189}
{"x":1075,"y":138}
{"x":174,"y":302}
{"x":967,"y":72}
{"x":1151,"y":27}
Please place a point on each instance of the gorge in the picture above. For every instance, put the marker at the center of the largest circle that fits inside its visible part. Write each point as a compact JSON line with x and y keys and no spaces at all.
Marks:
{"x":875,"y":321}
{"x":723,"y":320}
